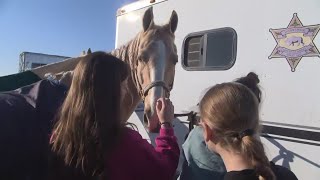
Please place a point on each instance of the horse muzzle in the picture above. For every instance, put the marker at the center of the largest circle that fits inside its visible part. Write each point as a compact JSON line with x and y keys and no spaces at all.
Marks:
{"x":151,"y":121}
{"x":155,"y":90}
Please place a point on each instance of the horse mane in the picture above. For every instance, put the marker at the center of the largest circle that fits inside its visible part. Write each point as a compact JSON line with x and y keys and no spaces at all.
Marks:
{"x":129,"y":54}
{"x":129,"y":51}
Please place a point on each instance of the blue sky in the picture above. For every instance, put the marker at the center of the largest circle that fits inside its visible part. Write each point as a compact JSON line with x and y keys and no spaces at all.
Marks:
{"x":59,"y":27}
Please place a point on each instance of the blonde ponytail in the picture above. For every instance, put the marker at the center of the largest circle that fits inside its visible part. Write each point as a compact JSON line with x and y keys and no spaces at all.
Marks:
{"x":253,"y":149}
{"x":233,"y":110}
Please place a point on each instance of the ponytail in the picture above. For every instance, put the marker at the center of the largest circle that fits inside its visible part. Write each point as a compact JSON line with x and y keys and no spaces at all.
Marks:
{"x":253,"y":149}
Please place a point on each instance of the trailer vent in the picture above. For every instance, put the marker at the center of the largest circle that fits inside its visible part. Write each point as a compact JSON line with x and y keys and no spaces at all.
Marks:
{"x":210,"y":50}
{"x":194,"y":51}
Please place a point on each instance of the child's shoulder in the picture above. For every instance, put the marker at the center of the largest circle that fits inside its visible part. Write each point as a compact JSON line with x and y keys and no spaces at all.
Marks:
{"x":283,"y":172}
{"x":132,"y":134}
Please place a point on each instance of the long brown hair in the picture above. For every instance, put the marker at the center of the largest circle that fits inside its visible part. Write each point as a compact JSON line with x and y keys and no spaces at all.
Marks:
{"x":232,"y":108}
{"x":89,"y":122}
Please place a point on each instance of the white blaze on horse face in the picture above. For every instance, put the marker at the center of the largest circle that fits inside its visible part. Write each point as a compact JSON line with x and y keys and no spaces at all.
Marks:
{"x":157,"y":74}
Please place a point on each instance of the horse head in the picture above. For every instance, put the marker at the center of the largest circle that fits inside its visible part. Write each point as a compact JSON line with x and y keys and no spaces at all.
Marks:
{"x":152,"y":56}
{"x":155,"y":67}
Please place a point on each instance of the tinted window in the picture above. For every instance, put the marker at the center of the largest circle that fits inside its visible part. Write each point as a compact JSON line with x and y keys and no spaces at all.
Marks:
{"x":35,"y":65}
{"x":210,"y":50}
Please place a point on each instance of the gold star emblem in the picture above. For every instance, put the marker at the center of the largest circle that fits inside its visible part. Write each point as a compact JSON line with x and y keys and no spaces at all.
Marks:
{"x":295,"y":42}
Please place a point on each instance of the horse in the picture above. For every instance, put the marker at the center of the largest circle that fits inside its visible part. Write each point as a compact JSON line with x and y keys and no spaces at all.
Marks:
{"x":291,"y":41}
{"x":151,"y":57}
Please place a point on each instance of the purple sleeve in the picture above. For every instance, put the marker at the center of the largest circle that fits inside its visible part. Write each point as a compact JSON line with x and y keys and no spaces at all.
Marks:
{"x":167,"y":146}
{"x":164,"y":158}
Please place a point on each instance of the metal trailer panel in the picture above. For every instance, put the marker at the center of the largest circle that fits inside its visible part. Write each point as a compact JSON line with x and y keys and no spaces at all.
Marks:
{"x":30,"y":60}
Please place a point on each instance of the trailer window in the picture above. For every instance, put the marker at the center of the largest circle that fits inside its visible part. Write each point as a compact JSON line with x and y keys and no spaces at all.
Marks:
{"x":210,"y":50}
{"x":35,"y":65}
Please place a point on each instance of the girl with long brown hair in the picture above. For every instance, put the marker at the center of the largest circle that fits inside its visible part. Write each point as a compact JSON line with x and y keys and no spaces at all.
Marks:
{"x":91,"y":139}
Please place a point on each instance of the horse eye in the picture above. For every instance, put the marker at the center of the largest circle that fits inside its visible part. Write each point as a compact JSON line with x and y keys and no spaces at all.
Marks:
{"x":142,"y":57}
{"x":143,"y":60}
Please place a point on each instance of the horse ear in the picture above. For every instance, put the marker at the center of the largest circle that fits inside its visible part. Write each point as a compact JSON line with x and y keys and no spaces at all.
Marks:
{"x":173,"y":23}
{"x":148,"y":19}
{"x":89,"y":51}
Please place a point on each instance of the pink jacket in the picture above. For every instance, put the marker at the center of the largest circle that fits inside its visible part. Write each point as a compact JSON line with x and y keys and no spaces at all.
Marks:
{"x":135,"y":159}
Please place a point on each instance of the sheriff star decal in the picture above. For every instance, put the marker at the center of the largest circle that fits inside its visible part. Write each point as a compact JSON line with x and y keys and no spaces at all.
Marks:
{"x":295,"y":42}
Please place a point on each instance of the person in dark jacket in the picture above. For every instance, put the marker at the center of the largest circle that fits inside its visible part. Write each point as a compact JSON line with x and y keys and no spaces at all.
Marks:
{"x":26,"y":119}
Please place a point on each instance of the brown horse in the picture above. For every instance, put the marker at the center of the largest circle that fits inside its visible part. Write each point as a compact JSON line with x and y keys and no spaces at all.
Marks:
{"x":151,"y":57}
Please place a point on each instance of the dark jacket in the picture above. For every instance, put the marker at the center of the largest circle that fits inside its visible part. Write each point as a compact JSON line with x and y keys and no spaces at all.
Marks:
{"x":26,"y":117}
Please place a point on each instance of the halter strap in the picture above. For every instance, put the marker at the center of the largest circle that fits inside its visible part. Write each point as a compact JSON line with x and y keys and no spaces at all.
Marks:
{"x":145,"y":90}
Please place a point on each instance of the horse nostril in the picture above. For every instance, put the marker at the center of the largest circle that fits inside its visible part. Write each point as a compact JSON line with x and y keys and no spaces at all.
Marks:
{"x":145,"y":119}
{"x":151,"y":126}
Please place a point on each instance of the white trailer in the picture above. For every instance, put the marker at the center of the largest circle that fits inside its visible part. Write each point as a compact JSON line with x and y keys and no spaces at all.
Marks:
{"x":221,"y":40}
{"x":31,"y":60}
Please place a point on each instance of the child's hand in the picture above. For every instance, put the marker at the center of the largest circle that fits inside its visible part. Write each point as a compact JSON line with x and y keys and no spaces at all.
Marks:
{"x":165,"y":110}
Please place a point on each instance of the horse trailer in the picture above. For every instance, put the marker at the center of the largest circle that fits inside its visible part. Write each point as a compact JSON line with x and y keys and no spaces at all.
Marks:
{"x":221,"y":40}
{"x":31,"y":60}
